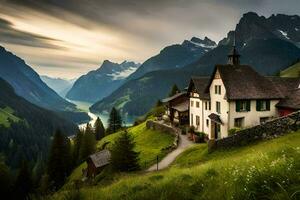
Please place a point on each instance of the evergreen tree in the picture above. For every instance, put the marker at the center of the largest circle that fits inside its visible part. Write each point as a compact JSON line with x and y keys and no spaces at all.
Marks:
{"x":23,"y":185}
{"x":123,"y":156}
{"x":5,"y":179}
{"x":174,"y":90}
{"x":88,"y":145}
{"x":114,"y":121}
{"x":60,"y":160}
{"x":38,"y":170}
{"x":99,"y":129}
{"x":76,"y":148}
{"x":158,"y":103}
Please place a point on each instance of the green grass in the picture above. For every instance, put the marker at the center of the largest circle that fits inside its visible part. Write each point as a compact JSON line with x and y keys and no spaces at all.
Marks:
{"x":148,"y":142}
{"x":265,"y":170}
{"x":7,"y":114}
{"x":292,"y":71}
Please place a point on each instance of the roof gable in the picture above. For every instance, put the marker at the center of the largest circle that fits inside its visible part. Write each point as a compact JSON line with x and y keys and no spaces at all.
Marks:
{"x":243,"y":82}
{"x":199,"y":84}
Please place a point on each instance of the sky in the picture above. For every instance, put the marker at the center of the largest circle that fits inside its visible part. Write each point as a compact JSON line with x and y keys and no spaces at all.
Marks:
{"x":68,"y":38}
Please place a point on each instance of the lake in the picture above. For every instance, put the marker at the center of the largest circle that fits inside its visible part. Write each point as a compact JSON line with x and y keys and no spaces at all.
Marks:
{"x":84,"y":106}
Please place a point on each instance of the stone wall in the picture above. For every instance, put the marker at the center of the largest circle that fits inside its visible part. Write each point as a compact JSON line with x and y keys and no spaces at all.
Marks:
{"x":156,"y":125}
{"x":270,"y":129}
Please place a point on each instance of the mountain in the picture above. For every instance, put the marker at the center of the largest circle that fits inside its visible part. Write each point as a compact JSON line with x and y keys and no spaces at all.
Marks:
{"x":59,"y":85}
{"x":100,"y":83}
{"x":28,"y":84}
{"x":25,"y":128}
{"x":257,"y":41}
{"x":175,"y":56}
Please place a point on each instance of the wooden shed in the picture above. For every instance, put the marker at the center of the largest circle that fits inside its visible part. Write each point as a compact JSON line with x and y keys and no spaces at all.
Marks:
{"x":96,"y":162}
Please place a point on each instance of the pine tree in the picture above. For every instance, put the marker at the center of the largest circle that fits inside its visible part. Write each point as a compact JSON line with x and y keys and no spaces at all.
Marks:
{"x":5,"y":179}
{"x":23,"y":185}
{"x":99,"y":129}
{"x":88,"y":145}
{"x":76,"y":148}
{"x":60,"y":160}
{"x":174,"y":90}
{"x":114,"y":121}
{"x":123,"y":156}
{"x":38,"y":170}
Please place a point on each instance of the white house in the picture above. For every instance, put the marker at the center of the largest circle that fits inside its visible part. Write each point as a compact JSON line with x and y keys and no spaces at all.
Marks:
{"x":235,"y":96}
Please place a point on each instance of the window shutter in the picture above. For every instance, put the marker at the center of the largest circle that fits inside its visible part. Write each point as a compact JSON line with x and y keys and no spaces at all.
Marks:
{"x":248,"y":105}
{"x":258,"y":105}
{"x":237,"y":106}
{"x":268,"y":104}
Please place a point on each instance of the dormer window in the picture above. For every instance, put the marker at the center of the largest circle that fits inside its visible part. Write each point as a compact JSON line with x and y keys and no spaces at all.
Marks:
{"x":217,"y":89}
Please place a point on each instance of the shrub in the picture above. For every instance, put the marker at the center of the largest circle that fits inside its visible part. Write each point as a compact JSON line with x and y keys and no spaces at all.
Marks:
{"x":191,"y":129}
{"x":233,"y":130}
{"x":200,"y":137}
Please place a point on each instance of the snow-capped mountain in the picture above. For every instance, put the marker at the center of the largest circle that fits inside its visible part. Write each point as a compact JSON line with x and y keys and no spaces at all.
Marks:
{"x":176,"y":56}
{"x":99,"y":83}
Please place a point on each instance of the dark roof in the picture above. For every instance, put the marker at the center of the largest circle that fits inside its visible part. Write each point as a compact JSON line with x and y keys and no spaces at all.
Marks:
{"x":243,"y":82}
{"x":173,"y":97}
{"x":216,"y":118}
{"x":200,"y":84}
{"x":182,"y":107}
{"x":100,"y":158}
{"x":285,"y":85}
{"x":291,"y":101}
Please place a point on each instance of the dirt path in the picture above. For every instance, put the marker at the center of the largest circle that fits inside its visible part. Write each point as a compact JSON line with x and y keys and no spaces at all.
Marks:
{"x":184,"y":143}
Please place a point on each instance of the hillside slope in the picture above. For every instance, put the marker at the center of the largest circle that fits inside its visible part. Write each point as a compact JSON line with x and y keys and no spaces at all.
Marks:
{"x":265,"y":170}
{"x":99,"y":83}
{"x":291,"y":71}
{"x":59,"y":85}
{"x":28,"y":84}
{"x":26,"y":128}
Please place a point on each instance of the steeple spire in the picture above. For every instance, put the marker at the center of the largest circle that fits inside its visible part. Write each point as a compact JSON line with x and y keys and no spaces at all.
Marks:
{"x":233,"y":56}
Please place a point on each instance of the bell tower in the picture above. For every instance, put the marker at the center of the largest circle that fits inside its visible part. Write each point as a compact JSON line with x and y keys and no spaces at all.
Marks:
{"x":234,"y":56}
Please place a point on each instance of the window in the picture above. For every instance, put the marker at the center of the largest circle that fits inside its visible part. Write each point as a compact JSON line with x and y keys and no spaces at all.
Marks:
{"x":218,"y":131}
{"x":263,"y":119}
{"x":217,"y":89}
{"x":197,"y":104}
{"x":239,"y":122}
{"x":242,"y":105}
{"x":218,"y":107}
{"x":206,"y":105}
{"x":192,"y":119}
{"x":209,"y":105}
{"x":192,"y":103}
{"x":262,"y":105}
{"x":197,"y":120}
{"x":207,"y":122}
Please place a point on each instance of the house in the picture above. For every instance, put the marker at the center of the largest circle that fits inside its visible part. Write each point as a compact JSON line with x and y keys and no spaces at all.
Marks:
{"x":237,"y":96}
{"x":177,"y":108}
{"x":96,"y":162}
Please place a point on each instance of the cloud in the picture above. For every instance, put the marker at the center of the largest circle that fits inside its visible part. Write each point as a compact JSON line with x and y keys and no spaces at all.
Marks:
{"x":9,"y":34}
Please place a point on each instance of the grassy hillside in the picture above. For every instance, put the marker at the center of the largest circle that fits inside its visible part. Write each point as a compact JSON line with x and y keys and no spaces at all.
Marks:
{"x":292,"y":71}
{"x":149,"y":143}
{"x":266,"y":170}
{"x":7,"y":114}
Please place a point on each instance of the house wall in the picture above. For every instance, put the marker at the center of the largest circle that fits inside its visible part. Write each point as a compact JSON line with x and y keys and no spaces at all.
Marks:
{"x":196,"y":112}
{"x":252,"y":117}
{"x":224,"y":104}
{"x":206,"y":129}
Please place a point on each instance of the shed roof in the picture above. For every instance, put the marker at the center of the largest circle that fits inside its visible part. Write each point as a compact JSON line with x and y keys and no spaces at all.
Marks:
{"x":215,"y":118}
{"x":100,"y":158}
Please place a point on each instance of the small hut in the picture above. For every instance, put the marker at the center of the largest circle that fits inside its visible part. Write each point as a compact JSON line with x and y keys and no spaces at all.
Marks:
{"x":96,"y":162}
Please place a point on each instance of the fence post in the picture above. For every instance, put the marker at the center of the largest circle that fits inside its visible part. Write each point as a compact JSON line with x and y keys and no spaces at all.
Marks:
{"x":156,"y":163}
